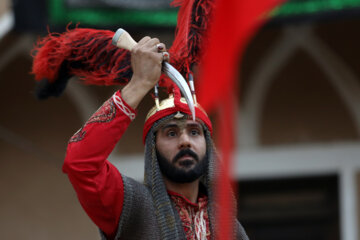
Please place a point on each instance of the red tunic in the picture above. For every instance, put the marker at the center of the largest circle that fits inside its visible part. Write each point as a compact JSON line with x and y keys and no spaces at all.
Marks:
{"x":97,"y":182}
{"x":189,"y":213}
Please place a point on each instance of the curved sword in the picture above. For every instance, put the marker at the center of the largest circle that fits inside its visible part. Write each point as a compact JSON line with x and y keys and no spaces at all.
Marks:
{"x":122,"y":39}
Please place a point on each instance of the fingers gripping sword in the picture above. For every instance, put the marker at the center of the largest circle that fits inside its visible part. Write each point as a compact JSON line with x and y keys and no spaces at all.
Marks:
{"x":122,"y":39}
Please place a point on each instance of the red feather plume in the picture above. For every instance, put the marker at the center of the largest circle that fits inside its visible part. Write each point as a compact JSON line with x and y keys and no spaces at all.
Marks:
{"x":86,"y":53}
{"x":193,"y":19}
{"x":90,"y":55}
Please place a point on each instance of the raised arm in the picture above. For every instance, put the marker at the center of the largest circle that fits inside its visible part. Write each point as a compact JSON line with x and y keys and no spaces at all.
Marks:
{"x":97,"y":182}
{"x":146,"y":63}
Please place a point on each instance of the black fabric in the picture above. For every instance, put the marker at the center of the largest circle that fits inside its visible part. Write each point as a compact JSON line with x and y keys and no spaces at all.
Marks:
{"x":121,"y":4}
{"x":30,"y":15}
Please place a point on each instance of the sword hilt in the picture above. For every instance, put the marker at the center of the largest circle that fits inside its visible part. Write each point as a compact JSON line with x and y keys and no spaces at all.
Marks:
{"x":122,"y":39}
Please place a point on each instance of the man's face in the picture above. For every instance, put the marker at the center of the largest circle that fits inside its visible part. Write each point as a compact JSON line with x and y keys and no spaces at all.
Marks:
{"x":181,"y":150}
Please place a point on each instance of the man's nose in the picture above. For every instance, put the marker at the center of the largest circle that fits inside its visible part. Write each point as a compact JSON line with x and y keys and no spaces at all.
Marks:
{"x":184,"y":140}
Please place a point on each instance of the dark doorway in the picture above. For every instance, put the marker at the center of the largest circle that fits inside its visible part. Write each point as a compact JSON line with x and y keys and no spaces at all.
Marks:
{"x":290,"y":208}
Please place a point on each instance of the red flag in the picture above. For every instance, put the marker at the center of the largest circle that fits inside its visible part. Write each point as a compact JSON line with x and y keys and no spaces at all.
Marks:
{"x":234,"y":23}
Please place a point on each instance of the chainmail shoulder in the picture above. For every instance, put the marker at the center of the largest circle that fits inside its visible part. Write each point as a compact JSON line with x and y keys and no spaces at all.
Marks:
{"x":137,"y":220}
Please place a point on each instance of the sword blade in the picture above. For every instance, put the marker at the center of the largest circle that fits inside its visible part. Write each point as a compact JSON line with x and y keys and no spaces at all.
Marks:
{"x":178,"y":79}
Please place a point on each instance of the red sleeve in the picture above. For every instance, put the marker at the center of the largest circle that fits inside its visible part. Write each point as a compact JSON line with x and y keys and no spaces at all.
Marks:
{"x":97,"y":182}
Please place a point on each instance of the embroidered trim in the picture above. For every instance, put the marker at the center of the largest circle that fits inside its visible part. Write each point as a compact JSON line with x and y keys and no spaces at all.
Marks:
{"x":78,"y":136}
{"x":194,"y":217}
{"x":105,"y":113}
{"x":120,"y":104}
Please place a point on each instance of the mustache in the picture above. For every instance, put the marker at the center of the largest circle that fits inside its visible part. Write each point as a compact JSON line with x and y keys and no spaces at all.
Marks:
{"x":184,"y":152}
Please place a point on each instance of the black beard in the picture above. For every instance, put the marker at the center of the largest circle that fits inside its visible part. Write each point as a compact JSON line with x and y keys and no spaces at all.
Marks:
{"x":178,"y":175}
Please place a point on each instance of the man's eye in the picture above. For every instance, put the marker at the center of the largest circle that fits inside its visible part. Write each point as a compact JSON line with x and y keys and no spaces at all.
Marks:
{"x":195,"y":132}
{"x":171,"y":133}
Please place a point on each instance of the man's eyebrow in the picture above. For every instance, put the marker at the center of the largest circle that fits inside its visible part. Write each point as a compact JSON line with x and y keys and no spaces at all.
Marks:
{"x":194,"y":125}
{"x":169,"y":125}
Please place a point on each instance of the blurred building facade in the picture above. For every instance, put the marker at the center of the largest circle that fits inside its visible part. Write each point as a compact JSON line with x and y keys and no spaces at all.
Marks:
{"x":298,"y":135}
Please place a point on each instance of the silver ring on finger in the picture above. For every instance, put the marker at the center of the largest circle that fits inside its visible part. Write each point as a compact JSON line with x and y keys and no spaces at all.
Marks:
{"x":166,"y":56}
{"x":159,"y":47}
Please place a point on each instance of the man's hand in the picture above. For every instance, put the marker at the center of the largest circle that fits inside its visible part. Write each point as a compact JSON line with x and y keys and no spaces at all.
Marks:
{"x":146,"y":61}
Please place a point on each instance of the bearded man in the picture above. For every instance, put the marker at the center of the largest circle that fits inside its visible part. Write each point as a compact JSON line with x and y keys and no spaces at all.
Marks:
{"x":176,"y":199}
